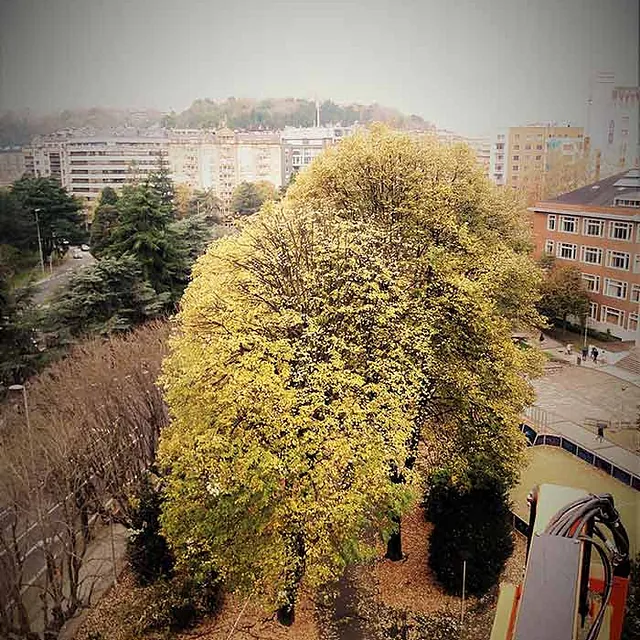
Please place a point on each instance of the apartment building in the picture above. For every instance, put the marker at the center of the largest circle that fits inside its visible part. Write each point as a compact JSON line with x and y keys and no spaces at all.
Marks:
{"x":85,"y":165}
{"x":613,"y":125}
{"x":300,"y":145}
{"x":187,"y":156}
{"x":482,"y":149}
{"x":96,"y":163}
{"x":11,"y":166}
{"x":499,"y":157}
{"x":597,"y":228}
{"x":201,"y":159}
{"x":45,"y":158}
{"x":538,"y":148}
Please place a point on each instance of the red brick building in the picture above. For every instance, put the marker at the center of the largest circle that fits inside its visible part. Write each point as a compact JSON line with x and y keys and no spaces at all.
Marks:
{"x":597,"y":229}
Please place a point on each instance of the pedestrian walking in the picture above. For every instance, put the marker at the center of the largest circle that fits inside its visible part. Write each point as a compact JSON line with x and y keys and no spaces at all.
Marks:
{"x":600,"y":436}
{"x":585,"y":353}
{"x":541,"y":338}
{"x":594,"y":355}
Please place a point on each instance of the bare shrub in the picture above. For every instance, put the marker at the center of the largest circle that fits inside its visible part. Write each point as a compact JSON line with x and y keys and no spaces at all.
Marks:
{"x":90,"y":434}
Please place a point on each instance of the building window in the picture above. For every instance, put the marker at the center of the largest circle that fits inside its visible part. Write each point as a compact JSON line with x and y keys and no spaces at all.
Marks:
{"x":615,"y":288}
{"x":516,"y":147}
{"x":594,"y":227}
{"x":551,"y":222}
{"x":636,"y":263}
{"x":516,"y":158}
{"x":515,"y":167}
{"x":548,"y":247}
{"x":568,"y":224}
{"x":591,"y":282}
{"x":635,"y":293}
{"x":633,"y":322}
{"x":538,"y":157}
{"x":593,"y":310}
{"x":539,"y":147}
{"x":591,"y":255}
{"x":618,"y":260}
{"x":527,"y":147}
{"x":567,"y":251}
{"x":612,"y":316}
{"x":620,"y":230}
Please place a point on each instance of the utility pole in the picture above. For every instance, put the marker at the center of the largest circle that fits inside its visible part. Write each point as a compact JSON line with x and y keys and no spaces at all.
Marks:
{"x":39,"y":240}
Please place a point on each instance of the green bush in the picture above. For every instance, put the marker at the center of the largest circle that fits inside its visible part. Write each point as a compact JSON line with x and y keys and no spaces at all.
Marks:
{"x":469,"y":524}
{"x":148,"y":553}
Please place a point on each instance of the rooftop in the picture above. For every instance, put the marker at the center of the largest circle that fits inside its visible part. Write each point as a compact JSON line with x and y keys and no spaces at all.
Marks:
{"x":604,"y":192}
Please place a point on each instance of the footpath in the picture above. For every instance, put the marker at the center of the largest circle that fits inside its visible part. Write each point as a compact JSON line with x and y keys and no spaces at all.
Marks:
{"x":572,"y":397}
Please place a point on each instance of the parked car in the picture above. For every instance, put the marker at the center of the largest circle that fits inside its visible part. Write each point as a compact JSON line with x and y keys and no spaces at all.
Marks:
{"x":85,"y":247}
{"x":76,"y":254}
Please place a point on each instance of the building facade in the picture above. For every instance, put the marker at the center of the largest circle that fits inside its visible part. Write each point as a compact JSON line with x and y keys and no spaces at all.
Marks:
{"x":85,"y":165}
{"x":597,"y":229}
{"x":300,"y":145}
{"x":613,"y":125}
{"x":11,"y":166}
{"x":539,"y":148}
{"x":217,"y":160}
{"x":498,"y":158}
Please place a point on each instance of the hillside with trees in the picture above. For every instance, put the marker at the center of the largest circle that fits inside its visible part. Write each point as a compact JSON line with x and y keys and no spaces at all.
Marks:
{"x":278,"y":113}
{"x":18,"y":128}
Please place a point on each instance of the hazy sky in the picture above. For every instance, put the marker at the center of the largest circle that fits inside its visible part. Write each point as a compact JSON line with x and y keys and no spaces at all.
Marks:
{"x":471,"y":66}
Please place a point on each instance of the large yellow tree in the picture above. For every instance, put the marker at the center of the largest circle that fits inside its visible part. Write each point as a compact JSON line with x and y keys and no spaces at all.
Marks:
{"x":373,"y":307}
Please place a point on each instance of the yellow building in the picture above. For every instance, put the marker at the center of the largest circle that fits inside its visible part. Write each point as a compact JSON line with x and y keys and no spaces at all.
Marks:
{"x":536,"y":149}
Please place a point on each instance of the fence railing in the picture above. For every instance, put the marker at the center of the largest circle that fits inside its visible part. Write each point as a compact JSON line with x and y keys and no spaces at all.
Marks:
{"x":535,"y":438}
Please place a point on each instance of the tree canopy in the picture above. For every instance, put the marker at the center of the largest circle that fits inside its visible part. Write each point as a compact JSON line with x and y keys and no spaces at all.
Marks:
{"x":247,"y":198}
{"x":370,"y":309}
{"x":564,"y":294}
{"x":143,"y":231}
{"x":59,"y":214}
{"x":109,"y":296}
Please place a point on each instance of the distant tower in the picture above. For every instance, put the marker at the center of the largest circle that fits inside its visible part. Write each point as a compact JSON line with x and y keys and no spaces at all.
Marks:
{"x":317,"y":113}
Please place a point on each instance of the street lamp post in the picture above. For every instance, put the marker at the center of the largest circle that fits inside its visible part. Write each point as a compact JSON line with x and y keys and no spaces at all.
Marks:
{"x":39,"y":240}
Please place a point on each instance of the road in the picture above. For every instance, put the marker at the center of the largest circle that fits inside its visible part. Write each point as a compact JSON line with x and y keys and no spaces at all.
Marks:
{"x":46,"y":288}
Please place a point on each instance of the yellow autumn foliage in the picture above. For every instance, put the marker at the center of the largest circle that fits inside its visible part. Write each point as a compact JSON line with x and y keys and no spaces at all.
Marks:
{"x":314,"y":350}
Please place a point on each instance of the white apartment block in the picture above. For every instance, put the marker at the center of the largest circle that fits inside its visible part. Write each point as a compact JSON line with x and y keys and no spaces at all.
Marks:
{"x":613,"y":125}
{"x":300,"y":145}
{"x":11,"y":166}
{"x":200,"y":159}
{"x":499,"y":157}
{"x":85,"y":165}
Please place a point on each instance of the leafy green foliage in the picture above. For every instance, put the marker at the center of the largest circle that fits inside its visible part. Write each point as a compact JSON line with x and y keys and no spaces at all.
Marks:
{"x":18,"y":227}
{"x":160,"y":181}
{"x":147,"y":550}
{"x":246,"y":199}
{"x":367,"y":311}
{"x":58,"y":213}
{"x":19,"y":353}
{"x":469,"y":524}
{"x":105,"y":221}
{"x":144,"y":233}
{"x":111,"y":295}
{"x":194,"y":234}
{"x":564,"y":294}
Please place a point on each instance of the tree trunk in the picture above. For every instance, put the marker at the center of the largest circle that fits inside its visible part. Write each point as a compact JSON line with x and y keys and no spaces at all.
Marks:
{"x":394,"y":544}
{"x":286,"y":614}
